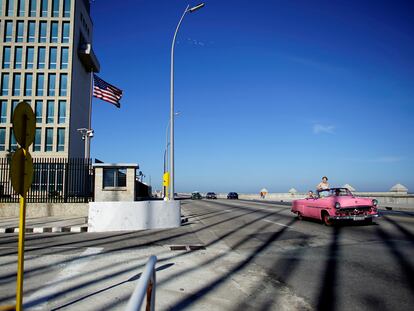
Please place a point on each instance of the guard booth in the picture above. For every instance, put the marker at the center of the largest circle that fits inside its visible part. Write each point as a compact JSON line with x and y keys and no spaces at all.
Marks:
{"x":123,"y":203}
{"x":118,"y":182}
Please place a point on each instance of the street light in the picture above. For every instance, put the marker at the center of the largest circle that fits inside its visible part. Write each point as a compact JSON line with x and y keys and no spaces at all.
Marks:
{"x":191,"y":10}
{"x":167,"y":143}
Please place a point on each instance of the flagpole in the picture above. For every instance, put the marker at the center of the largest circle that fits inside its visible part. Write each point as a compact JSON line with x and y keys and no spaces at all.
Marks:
{"x":89,"y":131}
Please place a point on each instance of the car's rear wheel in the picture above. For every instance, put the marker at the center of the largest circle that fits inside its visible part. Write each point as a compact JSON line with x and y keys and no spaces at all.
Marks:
{"x":326,"y":219}
{"x":300,"y":217}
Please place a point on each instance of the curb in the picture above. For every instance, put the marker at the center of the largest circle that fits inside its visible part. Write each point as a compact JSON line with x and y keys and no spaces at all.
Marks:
{"x":396,"y":208}
{"x":76,"y":229}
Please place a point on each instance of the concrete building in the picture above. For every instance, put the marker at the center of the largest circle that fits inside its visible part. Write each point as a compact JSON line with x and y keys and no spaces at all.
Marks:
{"x":46,"y":59}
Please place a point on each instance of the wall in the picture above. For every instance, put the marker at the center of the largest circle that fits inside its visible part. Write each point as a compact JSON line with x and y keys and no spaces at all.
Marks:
{"x":120,"y":216}
{"x":80,"y":82}
{"x":384,"y":198}
{"x":117,"y":193}
{"x":44,"y":209}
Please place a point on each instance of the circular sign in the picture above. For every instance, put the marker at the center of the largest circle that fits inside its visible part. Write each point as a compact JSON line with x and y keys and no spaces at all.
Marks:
{"x":21,"y":171}
{"x":24,"y":124}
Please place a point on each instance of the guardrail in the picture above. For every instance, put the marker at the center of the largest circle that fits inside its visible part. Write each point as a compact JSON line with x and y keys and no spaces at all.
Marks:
{"x":146,"y":286}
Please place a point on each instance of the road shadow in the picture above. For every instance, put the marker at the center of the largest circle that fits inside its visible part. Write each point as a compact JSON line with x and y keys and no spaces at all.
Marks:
{"x":327,"y":291}
{"x":131,"y":279}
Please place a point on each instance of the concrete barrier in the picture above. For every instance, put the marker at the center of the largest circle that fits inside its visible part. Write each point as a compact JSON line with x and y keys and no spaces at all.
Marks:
{"x":139,"y":215}
{"x":382,"y":197}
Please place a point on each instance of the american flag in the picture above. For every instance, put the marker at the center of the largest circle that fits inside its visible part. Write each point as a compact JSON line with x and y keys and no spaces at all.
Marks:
{"x":106,"y":91}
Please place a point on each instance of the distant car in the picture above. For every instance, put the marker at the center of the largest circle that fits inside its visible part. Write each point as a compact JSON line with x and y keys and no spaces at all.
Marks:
{"x":232,"y":195}
{"x":211,"y":195}
{"x":334,"y":204}
{"x":196,"y":196}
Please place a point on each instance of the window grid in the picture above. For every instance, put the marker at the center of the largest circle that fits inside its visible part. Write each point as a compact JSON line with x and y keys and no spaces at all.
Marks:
{"x":32,"y":83}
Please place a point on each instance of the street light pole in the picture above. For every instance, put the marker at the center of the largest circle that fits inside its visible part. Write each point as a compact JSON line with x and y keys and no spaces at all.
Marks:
{"x":191,"y":10}
{"x":167,"y":143}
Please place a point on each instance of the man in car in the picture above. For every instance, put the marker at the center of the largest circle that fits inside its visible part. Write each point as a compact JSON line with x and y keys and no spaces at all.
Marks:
{"x":310,"y":195}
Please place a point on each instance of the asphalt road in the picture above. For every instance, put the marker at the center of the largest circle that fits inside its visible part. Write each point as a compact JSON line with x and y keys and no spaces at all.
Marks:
{"x":258,"y":256}
{"x":345,"y":267}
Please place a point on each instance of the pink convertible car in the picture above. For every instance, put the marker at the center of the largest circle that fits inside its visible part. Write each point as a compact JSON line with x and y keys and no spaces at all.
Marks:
{"x":336,"y":204}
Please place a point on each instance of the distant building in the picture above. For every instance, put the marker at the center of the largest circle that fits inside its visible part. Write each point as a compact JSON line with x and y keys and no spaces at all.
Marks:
{"x":349,"y":187}
{"x":399,"y":188}
{"x":46,"y":60}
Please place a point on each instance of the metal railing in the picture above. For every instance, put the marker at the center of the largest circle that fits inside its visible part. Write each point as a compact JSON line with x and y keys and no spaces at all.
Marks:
{"x":146,"y":286}
{"x":55,"y":180}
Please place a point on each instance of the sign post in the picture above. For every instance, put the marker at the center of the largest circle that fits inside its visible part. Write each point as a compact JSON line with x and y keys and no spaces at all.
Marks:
{"x":166,"y":183}
{"x":21,"y":171}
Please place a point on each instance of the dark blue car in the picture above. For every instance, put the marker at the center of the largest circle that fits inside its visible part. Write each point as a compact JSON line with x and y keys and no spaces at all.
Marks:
{"x":232,"y":196}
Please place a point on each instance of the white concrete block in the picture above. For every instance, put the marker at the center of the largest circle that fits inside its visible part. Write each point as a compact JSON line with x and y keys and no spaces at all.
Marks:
{"x":139,"y":215}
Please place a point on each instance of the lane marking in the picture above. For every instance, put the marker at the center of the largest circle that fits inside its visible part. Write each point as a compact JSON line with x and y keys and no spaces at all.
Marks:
{"x":277,"y":223}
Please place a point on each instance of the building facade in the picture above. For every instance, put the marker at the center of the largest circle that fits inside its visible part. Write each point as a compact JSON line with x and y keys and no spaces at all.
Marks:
{"x":46,"y":59}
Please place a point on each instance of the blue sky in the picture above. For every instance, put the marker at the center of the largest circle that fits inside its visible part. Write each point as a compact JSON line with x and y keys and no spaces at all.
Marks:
{"x":271,"y":94}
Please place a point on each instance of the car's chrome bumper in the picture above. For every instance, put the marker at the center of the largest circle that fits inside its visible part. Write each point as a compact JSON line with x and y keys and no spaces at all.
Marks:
{"x":354,"y":217}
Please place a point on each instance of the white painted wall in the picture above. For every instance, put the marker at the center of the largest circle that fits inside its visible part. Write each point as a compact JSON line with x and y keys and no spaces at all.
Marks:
{"x":140,"y":215}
